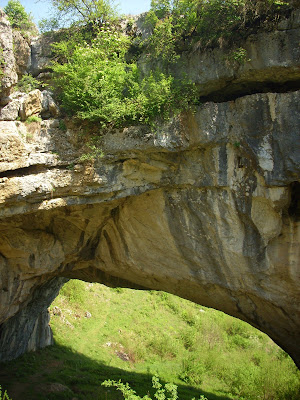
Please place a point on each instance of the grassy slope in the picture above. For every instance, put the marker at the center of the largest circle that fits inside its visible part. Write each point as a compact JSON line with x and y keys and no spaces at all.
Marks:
{"x":131,"y":335}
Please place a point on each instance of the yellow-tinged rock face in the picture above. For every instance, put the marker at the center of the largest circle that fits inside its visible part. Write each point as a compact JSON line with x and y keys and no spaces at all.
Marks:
{"x":183,"y":209}
{"x":31,"y":105}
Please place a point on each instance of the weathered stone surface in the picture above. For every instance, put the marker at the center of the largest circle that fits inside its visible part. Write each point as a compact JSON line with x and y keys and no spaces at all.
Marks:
{"x":49,"y":107}
{"x":29,"y":329}
{"x":22,"y":52}
{"x":23,"y":145}
{"x":41,"y":54}
{"x":271,"y":59}
{"x":31,"y":105}
{"x":10,"y":112}
{"x":7,"y":61}
{"x":201,"y":208}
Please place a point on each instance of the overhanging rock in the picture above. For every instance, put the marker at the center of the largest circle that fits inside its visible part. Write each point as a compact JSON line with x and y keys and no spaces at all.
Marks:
{"x":205,"y":207}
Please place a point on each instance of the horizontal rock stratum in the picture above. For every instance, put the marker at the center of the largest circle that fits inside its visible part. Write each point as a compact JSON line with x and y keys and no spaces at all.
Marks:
{"x":205,"y":206}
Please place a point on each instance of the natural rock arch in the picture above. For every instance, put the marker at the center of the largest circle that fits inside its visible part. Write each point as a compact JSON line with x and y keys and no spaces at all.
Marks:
{"x":205,"y":206}
{"x":193,"y":222}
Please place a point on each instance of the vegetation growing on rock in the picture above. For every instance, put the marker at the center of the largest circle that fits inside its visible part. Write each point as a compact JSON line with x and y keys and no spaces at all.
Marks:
{"x":18,"y":17}
{"x":98,"y":84}
{"x":101,"y":75}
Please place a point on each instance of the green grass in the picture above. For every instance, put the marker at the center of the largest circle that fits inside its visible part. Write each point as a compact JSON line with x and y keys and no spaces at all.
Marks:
{"x":132,"y":335}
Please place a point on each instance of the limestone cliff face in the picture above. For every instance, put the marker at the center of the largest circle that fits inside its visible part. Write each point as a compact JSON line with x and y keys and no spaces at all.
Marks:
{"x":8,"y":76}
{"x":206,"y":206}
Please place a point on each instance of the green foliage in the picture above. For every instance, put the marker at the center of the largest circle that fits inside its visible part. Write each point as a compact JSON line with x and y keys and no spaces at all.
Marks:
{"x":74,"y":292}
{"x":49,"y":24}
{"x":3,"y":395}
{"x":161,"y":8}
{"x":33,"y":118}
{"x":161,"y":44}
{"x":98,"y":84}
{"x":28,"y":83}
{"x":62,"y":125}
{"x":208,"y":23}
{"x":80,"y":12}
{"x":94,"y":153}
{"x":192,"y":371}
{"x":17,"y":15}
{"x":162,"y":392}
{"x":97,"y":79}
{"x":132,"y":335}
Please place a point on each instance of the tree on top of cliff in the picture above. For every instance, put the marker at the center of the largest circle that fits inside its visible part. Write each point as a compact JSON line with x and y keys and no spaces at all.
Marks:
{"x":95,"y":12}
{"x":17,"y":16}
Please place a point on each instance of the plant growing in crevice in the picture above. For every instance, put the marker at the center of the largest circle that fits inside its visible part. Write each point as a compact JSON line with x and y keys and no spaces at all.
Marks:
{"x":28,"y":83}
{"x":237,"y":57}
{"x":94,"y":153}
{"x":33,"y":118}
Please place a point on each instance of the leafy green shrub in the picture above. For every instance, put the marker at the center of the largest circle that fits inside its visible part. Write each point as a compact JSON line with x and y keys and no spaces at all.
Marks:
{"x":28,"y":83}
{"x":98,"y":84}
{"x":94,"y":152}
{"x":166,"y":392}
{"x":208,"y":23}
{"x":237,"y":56}
{"x":74,"y":291}
{"x":48,"y":24}
{"x":78,"y":12}
{"x":161,"y":44}
{"x":163,"y":346}
{"x":17,"y":15}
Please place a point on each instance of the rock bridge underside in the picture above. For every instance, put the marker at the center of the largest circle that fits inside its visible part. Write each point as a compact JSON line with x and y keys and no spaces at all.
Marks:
{"x":206,"y":207}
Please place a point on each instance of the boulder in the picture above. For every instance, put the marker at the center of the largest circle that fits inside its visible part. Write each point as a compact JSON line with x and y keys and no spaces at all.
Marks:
{"x":31,"y":105}
{"x":10,"y":112}
{"x":49,"y":107}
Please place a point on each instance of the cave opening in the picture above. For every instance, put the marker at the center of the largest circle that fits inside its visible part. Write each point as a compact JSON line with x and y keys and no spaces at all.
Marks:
{"x":117,"y":333}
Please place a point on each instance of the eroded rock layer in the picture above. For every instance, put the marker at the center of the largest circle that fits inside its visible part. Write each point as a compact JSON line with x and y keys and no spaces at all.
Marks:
{"x":205,"y":207}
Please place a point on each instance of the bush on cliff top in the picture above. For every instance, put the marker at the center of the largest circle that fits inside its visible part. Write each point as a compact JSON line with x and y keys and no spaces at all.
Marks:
{"x":78,"y":12}
{"x":98,"y":84}
{"x":18,"y":17}
{"x":99,"y":81}
{"x":209,"y":23}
